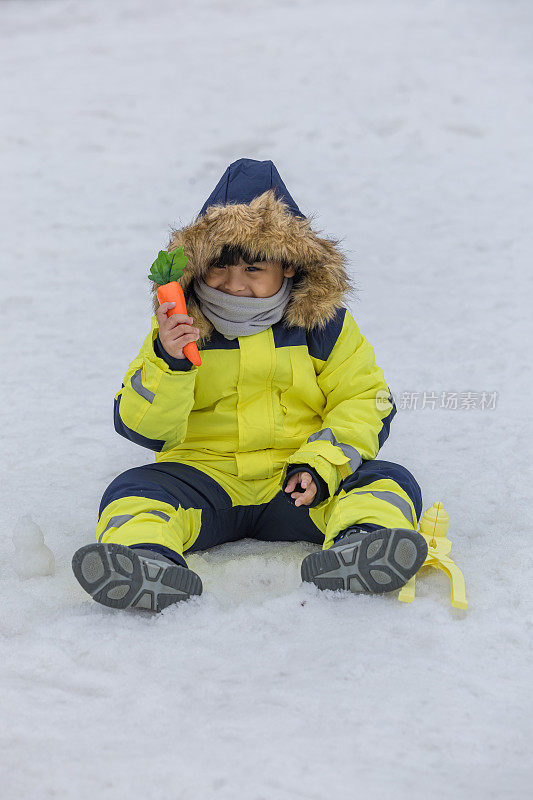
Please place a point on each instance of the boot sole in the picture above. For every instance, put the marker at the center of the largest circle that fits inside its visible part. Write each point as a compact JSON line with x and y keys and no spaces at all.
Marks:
{"x":115,"y":576}
{"x":381,"y":561}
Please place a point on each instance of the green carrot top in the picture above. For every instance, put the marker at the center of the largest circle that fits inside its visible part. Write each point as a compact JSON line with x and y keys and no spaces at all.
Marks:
{"x":168,"y":266}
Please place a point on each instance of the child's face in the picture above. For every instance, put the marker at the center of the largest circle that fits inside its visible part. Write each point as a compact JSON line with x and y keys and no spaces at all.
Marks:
{"x":261,"y":279}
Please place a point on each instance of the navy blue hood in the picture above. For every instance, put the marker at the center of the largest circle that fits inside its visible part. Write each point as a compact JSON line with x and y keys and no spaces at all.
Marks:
{"x":246,"y":179}
{"x":251,"y":208}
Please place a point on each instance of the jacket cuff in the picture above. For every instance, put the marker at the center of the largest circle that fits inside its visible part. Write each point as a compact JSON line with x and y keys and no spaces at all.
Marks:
{"x":181,"y":364}
{"x":322,"y":492}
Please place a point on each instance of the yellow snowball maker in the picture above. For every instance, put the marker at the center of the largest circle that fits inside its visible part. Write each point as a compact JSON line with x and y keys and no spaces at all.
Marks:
{"x":434,"y":526}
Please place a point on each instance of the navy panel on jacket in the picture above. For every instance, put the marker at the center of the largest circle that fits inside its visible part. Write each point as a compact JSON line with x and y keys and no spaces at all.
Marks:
{"x":321,"y":342}
{"x":383,"y":435}
{"x":283,"y":337}
{"x":246,"y":179}
{"x":288,"y":337}
{"x":133,"y":436}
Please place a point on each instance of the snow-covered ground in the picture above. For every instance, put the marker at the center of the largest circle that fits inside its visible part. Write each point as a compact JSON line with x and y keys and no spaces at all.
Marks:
{"x":405,"y":128}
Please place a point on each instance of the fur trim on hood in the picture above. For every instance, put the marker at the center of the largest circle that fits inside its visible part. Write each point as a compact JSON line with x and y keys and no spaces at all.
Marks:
{"x":269,"y":223}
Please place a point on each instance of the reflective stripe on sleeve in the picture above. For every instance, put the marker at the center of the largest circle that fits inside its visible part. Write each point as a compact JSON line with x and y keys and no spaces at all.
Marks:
{"x":350,"y":452}
{"x":136,"y":384}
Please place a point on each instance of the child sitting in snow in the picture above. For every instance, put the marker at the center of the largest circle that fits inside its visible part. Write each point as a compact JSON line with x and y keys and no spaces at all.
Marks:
{"x":274,"y":436}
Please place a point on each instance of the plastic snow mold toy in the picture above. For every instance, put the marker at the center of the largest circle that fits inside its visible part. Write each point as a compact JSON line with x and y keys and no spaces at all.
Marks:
{"x":434,"y":528}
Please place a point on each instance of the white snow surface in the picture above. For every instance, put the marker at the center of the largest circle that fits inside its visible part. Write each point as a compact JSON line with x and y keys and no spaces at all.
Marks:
{"x":405,"y":129}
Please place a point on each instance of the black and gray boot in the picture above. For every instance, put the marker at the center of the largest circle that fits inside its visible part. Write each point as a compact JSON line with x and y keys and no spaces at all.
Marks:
{"x":125,"y":577}
{"x":367,"y":561}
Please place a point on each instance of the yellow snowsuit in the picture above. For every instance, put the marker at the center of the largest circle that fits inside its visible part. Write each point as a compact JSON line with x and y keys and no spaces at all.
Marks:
{"x":228,"y":434}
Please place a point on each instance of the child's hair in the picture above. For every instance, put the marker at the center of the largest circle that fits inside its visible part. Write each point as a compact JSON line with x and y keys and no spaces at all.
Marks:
{"x":231,"y":254}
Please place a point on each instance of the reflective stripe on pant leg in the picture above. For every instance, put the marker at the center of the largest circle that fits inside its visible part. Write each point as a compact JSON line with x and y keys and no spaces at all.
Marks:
{"x":381,"y":502}
{"x":378,"y":469}
{"x":365,"y":496}
{"x":143,"y":520}
{"x":178,"y":494}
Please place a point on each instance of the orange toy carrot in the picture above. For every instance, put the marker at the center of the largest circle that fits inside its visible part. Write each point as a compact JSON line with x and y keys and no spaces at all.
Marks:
{"x":165,"y":271}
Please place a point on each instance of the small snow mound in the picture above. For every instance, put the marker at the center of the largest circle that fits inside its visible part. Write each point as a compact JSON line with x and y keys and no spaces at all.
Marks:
{"x":33,"y":559}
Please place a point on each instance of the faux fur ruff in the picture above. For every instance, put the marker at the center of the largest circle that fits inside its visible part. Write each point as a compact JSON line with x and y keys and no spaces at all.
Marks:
{"x":321,"y":281}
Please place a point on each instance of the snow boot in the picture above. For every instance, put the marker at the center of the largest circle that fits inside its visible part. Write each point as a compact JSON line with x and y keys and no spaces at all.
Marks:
{"x":126,"y":577}
{"x":367,"y":561}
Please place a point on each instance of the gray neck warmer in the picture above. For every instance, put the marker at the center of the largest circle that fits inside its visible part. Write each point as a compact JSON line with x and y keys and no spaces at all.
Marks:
{"x":242,"y":316}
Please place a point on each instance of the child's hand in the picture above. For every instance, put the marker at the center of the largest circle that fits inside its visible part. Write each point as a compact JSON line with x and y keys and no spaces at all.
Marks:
{"x":308,"y":484}
{"x":175,"y":331}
